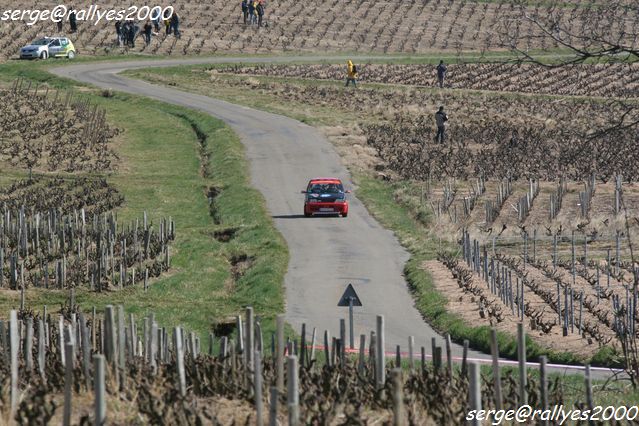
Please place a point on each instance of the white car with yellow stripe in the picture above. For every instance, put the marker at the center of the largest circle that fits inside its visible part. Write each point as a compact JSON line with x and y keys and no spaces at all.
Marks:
{"x":49,"y":47}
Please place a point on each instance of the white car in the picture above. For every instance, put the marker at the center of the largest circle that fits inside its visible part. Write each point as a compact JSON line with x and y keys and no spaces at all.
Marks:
{"x":48,"y":47}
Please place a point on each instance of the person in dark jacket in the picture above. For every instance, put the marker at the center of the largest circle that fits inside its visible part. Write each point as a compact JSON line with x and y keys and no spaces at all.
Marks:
{"x":260,"y":13}
{"x":124,"y":30}
{"x":72,"y":22}
{"x":251,"y":11}
{"x":441,"y":73}
{"x":148,"y":30}
{"x":175,"y":24}
{"x":245,"y":10}
{"x":118,"y":32}
{"x":131,"y":33}
{"x":440,"y":119}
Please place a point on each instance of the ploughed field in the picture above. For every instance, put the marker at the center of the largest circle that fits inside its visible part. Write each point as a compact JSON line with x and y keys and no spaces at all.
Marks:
{"x":331,"y":26}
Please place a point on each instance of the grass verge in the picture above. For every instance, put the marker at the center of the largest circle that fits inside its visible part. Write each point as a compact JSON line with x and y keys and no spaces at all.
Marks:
{"x":184,"y":164}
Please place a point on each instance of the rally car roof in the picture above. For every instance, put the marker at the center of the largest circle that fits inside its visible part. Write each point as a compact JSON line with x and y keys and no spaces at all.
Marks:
{"x":325,"y":179}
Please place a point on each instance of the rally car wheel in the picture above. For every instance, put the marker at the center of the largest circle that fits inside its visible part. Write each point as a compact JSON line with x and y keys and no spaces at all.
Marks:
{"x":44,"y":55}
{"x":71,"y":55}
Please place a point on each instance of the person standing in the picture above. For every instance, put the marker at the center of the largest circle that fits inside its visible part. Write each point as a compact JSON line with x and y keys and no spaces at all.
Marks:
{"x":351,"y":74}
{"x":156,"y":23}
{"x":118,"y":32}
{"x":167,"y":24}
{"x":440,"y":119}
{"x":260,"y":13}
{"x":441,"y":73}
{"x":255,"y":3}
{"x":251,"y":11}
{"x":245,"y":8}
{"x":148,"y":29}
{"x":72,"y":22}
{"x":175,"y":23}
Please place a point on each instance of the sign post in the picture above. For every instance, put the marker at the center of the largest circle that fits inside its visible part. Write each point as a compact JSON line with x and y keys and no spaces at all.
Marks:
{"x":350,"y":299}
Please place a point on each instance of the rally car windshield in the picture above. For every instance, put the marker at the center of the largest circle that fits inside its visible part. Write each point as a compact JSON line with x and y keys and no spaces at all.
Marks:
{"x":326,"y":188}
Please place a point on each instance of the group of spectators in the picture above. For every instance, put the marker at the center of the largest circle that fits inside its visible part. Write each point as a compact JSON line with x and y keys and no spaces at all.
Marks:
{"x":253,"y":12}
{"x":440,"y":116}
{"x":127,"y":32}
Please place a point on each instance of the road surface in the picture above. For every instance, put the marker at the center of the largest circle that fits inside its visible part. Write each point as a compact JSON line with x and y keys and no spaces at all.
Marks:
{"x":326,"y":253}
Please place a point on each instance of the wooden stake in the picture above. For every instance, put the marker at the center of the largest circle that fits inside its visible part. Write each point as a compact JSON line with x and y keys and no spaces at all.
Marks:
{"x":474,"y":391}
{"x":293,"y":391}
{"x":521,"y":349}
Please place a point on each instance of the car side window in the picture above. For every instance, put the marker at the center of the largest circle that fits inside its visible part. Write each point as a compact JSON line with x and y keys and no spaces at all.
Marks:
{"x":55,"y":43}
{"x":65,"y":41}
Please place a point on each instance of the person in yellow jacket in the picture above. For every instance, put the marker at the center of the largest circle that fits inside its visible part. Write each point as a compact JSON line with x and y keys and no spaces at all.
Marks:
{"x":352,"y":74}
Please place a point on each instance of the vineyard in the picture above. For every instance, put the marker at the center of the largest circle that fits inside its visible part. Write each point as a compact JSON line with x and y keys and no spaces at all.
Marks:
{"x":491,"y":136}
{"x":62,"y":232}
{"x":610,"y":80}
{"x":331,"y":25}
{"x":526,"y":177}
{"x":44,"y":131}
{"x":75,"y":367}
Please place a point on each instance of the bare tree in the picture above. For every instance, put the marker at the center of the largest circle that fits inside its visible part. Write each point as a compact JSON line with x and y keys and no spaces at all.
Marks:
{"x":605,"y":30}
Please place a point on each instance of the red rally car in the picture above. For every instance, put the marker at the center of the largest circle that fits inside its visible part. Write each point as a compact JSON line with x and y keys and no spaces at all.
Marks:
{"x":325,"y":196}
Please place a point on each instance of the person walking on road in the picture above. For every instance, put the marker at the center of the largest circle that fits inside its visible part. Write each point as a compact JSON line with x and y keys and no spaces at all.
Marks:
{"x":351,"y":74}
{"x":441,"y":73}
{"x":245,"y":8}
{"x":440,"y":119}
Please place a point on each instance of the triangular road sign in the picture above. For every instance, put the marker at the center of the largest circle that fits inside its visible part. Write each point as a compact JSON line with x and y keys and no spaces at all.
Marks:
{"x":348,"y":295}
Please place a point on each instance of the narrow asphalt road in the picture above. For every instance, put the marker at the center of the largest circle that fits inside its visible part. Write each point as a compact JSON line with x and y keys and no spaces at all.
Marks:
{"x":326,"y":253}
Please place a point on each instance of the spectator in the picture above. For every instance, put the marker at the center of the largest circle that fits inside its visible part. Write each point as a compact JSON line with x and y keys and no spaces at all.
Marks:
{"x":130,"y":32}
{"x":156,"y":23}
{"x":441,"y":73}
{"x":251,"y":11}
{"x":175,"y":22}
{"x":167,"y":24}
{"x":245,"y":8}
{"x":352,"y":74}
{"x":260,"y":13}
{"x":440,"y":118}
{"x":255,"y":3}
{"x":72,"y":22}
{"x":124,"y":30}
{"x":148,"y":29}
{"x":59,"y":25}
{"x":118,"y":32}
